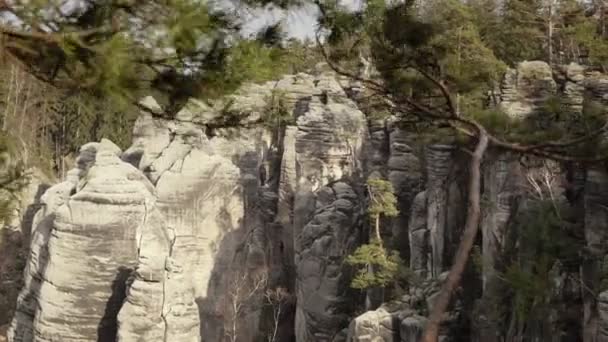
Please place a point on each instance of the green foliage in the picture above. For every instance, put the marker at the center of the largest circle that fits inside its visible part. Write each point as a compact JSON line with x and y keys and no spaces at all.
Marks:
{"x":277,"y":114}
{"x":251,"y":61}
{"x":12,"y":177}
{"x":585,"y":34}
{"x":494,"y":120}
{"x":406,"y":47}
{"x":553,"y":107}
{"x":553,"y":121}
{"x":383,"y":200}
{"x":467,"y":63}
{"x":187,"y":23}
{"x":300,"y":56}
{"x":376,"y":267}
{"x":121,"y":50}
{"x":543,"y":242}
{"x":521,"y":34}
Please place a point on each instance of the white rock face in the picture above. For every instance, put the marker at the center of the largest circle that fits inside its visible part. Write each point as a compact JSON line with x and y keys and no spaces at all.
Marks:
{"x":141,"y":245}
{"x":392,"y":322}
{"x":84,"y":247}
{"x":378,"y":325}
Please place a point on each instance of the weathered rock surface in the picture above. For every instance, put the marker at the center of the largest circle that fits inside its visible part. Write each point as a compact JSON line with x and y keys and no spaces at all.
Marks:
{"x":328,"y":147}
{"x":14,"y":238}
{"x":323,"y":299}
{"x":439,"y":163}
{"x":503,"y":183}
{"x":398,"y":320}
{"x":83,"y":248}
{"x":377,"y":325}
{"x":526,"y":88}
{"x":405,"y":172}
{"x":145,"y":245}
{"x":596,"y":218}
{"x":419,"y":236}
{"x":159,"y":240}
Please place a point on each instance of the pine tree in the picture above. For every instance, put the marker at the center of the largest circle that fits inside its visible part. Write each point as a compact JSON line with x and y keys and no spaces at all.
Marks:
{"x":120,"y":50}
{"x":521,"y":35}
{"x":377,"y":267}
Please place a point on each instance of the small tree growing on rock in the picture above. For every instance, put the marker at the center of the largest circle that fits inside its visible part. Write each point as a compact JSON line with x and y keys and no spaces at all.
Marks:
{"x":243,"y":289}
{"x":377,"y":267}
{"x":277,"y":298}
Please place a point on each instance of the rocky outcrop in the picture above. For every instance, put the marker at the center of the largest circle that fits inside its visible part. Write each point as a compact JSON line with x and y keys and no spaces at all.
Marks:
{"x":14,"y":238}
{"x":328,"y":147}
{"x":419,"y":236}
{"x":160,"y":303}
{"x":399,"y":320}
{"x":194,"y":202}
{"x":322,"y":281}
{"x":503,"y":184}
{"x":206,"y":191}
{"x":526,"y":88}
{"x":386,"y":325}
{"x":405,"y":172}
{"x":596,"y":236}
{"x":377,"y":325}
{"x":439,"y":159}
{"x":149,"y":244}
{"x":84,"y":246}
{"x":27,"y":303}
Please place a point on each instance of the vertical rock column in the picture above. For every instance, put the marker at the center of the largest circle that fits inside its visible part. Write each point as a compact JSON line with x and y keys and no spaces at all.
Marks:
{"x":419,"y":236}
{"x":92,"y":248}
{"x":595,"y":324}
{"x":328,"y":147}
{"x":438,"y":165}
{"x":405,"y":174}
{"x":502,"y":184}
{"x":573,"y":97}
{"x":160,"y":305}
{"x":22,"y":324}
{"x":287,"y":187}
{"x":22,"y":329}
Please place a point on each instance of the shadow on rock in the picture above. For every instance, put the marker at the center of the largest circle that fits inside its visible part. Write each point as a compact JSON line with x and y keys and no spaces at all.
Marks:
{"x":107,"y":329}
{"x":14,"y":248}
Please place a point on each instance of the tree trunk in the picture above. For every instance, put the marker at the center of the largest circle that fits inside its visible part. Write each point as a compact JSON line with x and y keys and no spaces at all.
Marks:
{"x":550,"y":34}
{"x":377,"y":229}
{"x":431,"y":332}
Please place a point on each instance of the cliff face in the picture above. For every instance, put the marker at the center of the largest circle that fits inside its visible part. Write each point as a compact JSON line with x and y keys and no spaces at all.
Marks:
{"x":169,"y":240}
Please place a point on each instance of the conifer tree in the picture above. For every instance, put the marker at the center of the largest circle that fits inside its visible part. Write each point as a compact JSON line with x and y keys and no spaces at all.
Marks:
{"x":119,"y":50}
{"x":377,"y":267}
{"x":521,"y":35}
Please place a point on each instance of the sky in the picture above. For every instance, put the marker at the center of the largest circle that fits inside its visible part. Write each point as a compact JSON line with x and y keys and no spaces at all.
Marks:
{"x":298,"y":22}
